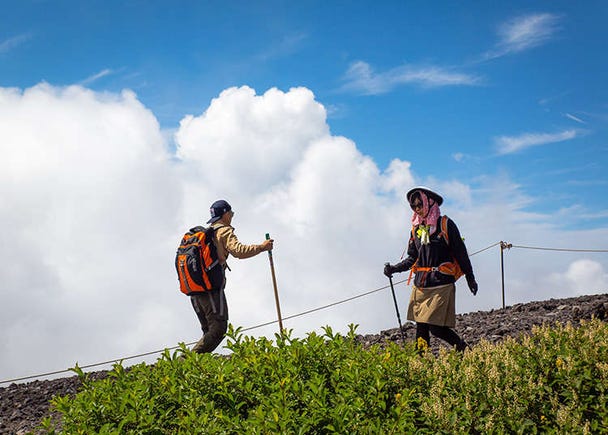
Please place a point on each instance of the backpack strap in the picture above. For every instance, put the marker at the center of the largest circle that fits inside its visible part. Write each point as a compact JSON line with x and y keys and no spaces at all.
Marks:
{"x":409,"y":278}
{"x":444,"y":229}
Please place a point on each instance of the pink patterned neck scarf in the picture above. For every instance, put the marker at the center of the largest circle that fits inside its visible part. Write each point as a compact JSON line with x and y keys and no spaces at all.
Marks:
{"x":431,"y":212}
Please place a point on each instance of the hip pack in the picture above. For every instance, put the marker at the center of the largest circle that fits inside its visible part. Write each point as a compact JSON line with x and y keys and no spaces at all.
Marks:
{"x":197,"y":263}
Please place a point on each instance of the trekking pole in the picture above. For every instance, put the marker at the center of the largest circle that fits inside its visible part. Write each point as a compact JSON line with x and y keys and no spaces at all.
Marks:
{"x":274,"y":283}
{"x":390,"y":279}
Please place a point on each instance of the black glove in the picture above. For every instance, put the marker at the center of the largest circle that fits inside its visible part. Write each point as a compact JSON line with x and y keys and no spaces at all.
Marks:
{"x":389,"y":270}
{"x":472,"y":284}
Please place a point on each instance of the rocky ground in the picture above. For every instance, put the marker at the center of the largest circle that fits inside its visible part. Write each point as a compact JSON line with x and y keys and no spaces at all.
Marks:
{"x":23,"y":405}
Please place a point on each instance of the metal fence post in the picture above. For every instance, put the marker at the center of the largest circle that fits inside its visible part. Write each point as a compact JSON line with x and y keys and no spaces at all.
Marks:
{"x":503,"y":246}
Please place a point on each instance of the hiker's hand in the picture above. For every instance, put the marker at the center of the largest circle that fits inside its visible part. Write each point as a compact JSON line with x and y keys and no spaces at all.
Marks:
{"x":389,"y":270}
{"x":472,"y":284}
{"x":267,"y":245}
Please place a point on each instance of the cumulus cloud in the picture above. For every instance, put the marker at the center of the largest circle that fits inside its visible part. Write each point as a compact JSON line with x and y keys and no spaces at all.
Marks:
{"x":88,"y":204}
{"x":245,"y":141}
{"x":361,"y":78}
{"x":94,"y":204}
{"x":581,"y":276}
{"x":272,"y":156}
{"x":587,"y":276}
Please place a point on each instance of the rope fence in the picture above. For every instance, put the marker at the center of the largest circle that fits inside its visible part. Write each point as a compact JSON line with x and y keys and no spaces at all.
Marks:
{"x":559,"y":249}
{"x":503,"y":246}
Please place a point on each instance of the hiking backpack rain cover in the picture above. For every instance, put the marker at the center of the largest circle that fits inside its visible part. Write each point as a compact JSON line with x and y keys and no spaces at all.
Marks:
{"x":197,"y":263}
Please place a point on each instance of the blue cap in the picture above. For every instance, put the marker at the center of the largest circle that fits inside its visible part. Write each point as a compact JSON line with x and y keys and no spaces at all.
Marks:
{"x":217,"y":210}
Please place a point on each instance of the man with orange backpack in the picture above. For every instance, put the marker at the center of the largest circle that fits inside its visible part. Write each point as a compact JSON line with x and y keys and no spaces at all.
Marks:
{"x":201,"y":267}
{"x":437,"y":256}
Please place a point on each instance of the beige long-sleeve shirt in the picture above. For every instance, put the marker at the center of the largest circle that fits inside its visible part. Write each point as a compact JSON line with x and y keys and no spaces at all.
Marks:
{"x":228,"y":244}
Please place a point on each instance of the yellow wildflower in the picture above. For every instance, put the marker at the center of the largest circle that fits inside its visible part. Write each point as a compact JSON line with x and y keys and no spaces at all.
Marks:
{"x":421,"y":344}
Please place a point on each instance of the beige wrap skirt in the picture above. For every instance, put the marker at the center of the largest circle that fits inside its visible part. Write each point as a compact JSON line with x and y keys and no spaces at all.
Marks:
{"x":433,"y":305}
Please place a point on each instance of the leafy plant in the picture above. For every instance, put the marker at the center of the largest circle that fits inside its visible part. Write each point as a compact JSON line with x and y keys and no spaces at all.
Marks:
{"x":553,"y":381}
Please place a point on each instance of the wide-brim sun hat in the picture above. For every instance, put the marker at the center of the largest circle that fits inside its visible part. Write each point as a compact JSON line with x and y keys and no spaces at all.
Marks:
{"x":437,"y":197}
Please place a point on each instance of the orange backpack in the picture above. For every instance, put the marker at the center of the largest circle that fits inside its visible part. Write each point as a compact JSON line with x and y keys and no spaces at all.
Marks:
{"x":447,"y":268}
{"x":197,"y":263}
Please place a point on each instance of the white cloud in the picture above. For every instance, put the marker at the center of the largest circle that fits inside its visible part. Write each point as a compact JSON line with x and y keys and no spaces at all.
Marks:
{"x":516,"y":35}
{"x":90,"y":204}
{"x":582,"y":276}
{"x":103,"y":73}
{"x":287,"y":45}
{"x":574,"y":118}
{"x":398,"y":176}
{"x":528,"y":31}
{"x":11,"y":43}
{"x":511,"y":144}
{"x":360,"y":77}
{"x":284,"y":173}
{"x":587,"y":277}
{"x":95,"y":204}
{"x":246,"y":141}
{"x":523,"y":33}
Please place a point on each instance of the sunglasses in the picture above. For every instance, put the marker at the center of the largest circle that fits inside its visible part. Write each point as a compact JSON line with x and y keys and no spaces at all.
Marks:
{"x":416,"y":204}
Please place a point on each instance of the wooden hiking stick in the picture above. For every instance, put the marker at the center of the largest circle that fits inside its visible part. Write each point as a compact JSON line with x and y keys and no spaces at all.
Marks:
{"x":274,"y":283}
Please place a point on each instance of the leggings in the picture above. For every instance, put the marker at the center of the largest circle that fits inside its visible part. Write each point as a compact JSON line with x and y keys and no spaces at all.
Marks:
{"x":423,"y":330}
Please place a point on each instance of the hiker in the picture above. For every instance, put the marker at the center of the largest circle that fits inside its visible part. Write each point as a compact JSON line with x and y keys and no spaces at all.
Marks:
{"x":434,"y":258}
{"x":210,"y":306}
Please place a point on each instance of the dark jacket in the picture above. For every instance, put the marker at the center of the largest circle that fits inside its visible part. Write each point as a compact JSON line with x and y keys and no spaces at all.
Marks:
{"x":435,"y":253}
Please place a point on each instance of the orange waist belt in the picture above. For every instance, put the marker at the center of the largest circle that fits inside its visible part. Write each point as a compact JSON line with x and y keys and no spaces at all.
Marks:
{"x":447,"y":268}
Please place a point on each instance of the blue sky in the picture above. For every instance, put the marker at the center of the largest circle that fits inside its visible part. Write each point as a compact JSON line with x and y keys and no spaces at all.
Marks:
{"x":313,"y":119}
{"x":445,"y":86}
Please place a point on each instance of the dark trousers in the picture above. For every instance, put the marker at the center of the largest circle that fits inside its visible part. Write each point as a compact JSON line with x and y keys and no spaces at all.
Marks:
{"x":423,"y":330}
{"x":212,"y":312}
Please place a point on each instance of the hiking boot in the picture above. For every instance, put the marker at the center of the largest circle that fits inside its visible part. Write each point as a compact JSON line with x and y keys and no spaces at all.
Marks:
{"x":462,"y":345}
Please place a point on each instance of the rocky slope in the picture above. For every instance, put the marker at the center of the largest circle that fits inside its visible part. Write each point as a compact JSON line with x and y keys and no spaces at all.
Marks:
{"x":22,"y":406}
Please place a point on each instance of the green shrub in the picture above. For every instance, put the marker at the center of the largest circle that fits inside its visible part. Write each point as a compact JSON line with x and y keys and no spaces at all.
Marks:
{"x":553,"y":381}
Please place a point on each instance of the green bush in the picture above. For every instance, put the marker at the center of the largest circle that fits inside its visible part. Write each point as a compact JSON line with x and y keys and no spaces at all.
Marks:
{"x":553,"y":381}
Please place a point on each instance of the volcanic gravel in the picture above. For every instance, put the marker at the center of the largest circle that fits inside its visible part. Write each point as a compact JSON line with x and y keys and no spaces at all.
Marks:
{"x":24,"y":405}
